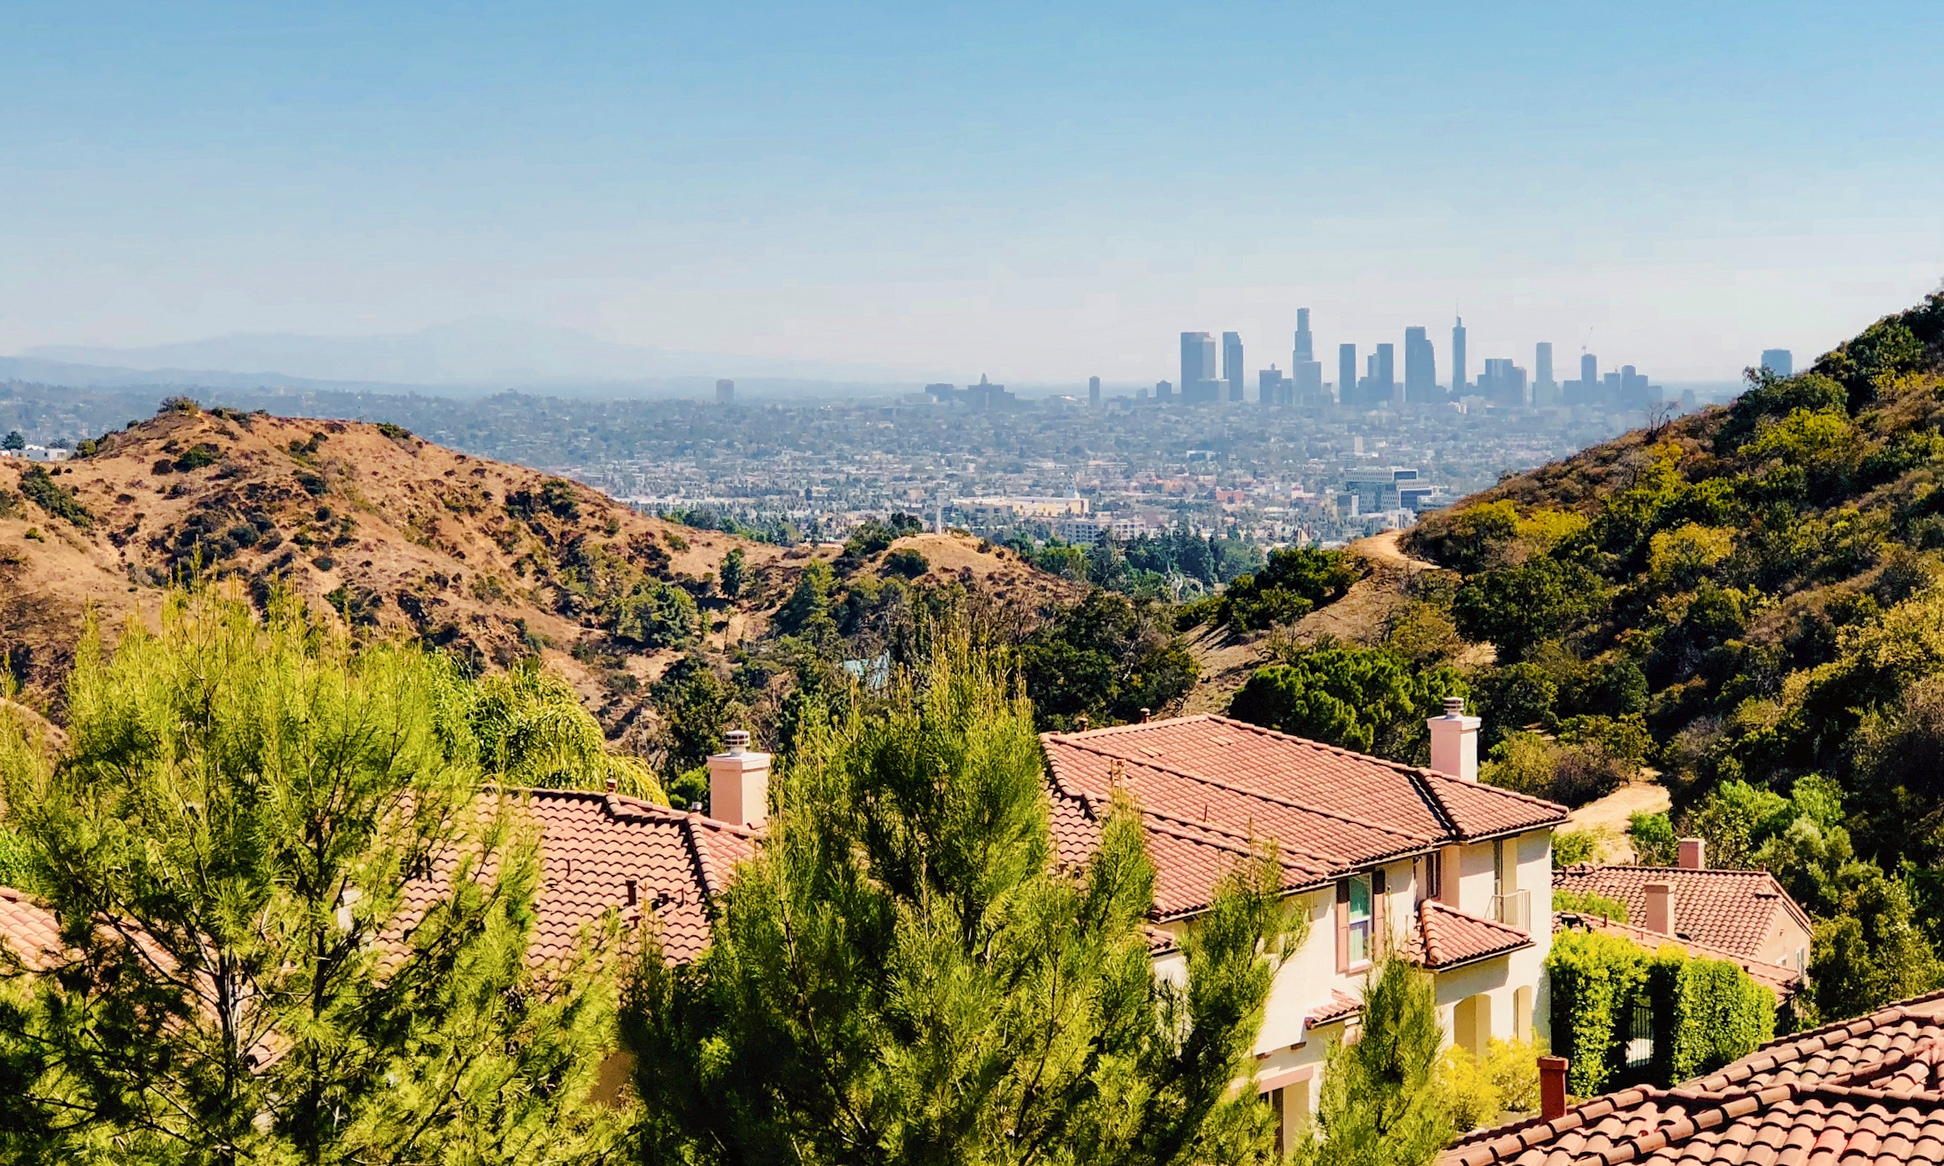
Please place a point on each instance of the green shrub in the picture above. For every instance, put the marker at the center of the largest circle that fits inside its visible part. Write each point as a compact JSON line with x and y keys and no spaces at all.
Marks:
{"x":395,"y":432}
{"x":908,"y":563}
{"x":1706,"y":1012}
{"x":1595,"y":980}
{"x":42,"y":491}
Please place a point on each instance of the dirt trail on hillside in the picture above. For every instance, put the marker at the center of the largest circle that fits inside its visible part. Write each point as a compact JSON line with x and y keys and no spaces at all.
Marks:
{"x":1610,"y":815}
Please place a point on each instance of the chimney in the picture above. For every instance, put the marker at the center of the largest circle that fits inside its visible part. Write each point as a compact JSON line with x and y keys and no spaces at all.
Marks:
{"x":1454,"y":741}
{"x":739,"y":783}
{"x":1552,"y":1087}
{"x":1693,"y":854}
{"x":1660,"y":908}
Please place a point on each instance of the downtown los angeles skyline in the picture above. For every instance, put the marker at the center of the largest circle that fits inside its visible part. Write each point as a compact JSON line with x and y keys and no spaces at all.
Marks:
{"x":1043,"y":194}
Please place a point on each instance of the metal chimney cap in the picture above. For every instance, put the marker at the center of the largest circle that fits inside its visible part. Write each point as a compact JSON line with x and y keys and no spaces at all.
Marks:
{"x":1454,"y":706}
{"x":738,"y":740}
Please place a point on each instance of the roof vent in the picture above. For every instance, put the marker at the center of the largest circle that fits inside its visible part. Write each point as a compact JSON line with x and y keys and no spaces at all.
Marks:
{"x":738,"y":741}
{"x":1454,"y":706}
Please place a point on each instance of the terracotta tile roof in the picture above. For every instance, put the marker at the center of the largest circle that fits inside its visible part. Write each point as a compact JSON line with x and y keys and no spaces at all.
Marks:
{"x":591,"y":845}
{"x":30,"y":933}
{"x":1730,"y":910}
{"x":1784,"y":981}
{"x":1447,"y":937}
{"x":1209,"y":788}
{"x":1339,"y":1006}
{"x":1865,"y":1091}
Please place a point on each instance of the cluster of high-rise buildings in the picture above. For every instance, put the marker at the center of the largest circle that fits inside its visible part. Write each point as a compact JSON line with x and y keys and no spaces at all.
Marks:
{"x":1373,"y":382}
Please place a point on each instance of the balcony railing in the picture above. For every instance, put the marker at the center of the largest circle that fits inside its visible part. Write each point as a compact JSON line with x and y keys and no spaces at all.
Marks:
{"x":1514,"y":910}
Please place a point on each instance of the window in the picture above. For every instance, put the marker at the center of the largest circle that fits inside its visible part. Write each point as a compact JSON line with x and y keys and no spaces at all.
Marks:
{"x":1427,"y":877}
{"x":1355,"y":897}
{"x":1498,"y":867}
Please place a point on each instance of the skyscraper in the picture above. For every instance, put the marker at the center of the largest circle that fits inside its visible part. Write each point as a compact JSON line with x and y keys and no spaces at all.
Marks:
{"x":1420,"y":367}
{"x":1347,"y":374}
{"x":1198,"y":381}
{"x":1303,"y":352}
{"x":1093,"y":392}
{"x":1383,"y":377}
{"x":725,"y":392}
{"x":1305,"y":373}
{"x":1458,"y":358}
{"x":1779,"y":361}
{"x":1589,"y":372}
{"x":1545,"y":391}
{"x":1232,"y":364}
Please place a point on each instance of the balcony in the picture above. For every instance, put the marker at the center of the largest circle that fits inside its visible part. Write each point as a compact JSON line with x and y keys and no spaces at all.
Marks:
{"x":1514,"y":910}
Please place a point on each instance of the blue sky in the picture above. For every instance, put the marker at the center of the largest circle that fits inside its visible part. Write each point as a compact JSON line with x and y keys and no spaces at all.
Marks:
{"x":1038,"y":191}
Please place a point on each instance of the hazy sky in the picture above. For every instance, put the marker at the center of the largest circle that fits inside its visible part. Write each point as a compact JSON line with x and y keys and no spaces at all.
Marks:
{"x":1038,"y":191}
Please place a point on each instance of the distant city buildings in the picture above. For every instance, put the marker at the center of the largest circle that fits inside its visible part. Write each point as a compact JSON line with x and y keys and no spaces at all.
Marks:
{"x":1199,"y":384}
{"x":1232,"y":364}
{"x":1502,"y":383}
{"x":1545,"y":391}
{"x":1420,"y":368}
{"x":725,"y":392}
{"x":1373,"y":383}
{"x":1778,"y":361}
{"x":982,"y":396}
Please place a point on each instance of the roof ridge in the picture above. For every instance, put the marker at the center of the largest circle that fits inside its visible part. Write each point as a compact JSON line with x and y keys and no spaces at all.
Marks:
{"x":1212,"y":828}
{"x":1278,"y":800}
{"x":1131,"y":726}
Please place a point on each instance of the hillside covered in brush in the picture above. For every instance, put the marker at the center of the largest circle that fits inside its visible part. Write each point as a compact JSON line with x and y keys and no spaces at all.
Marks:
{"x":667,"y":633}
{"x":1760,"y":586}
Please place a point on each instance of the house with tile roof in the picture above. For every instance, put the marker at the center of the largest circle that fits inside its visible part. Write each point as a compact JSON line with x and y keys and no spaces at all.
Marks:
{"x":1454,"y":873}
{"x":1869,"y":1090}
{"x":1743,"y":913}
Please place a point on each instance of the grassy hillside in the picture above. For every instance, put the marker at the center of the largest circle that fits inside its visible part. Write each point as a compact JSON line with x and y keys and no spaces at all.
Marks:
{"x":1758,"y":584}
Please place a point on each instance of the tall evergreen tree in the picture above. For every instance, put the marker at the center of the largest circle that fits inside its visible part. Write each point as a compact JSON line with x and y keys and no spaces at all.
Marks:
{"x":236,"y":842}
{"x":909,"y":974}
{"x":1380,"y":1106}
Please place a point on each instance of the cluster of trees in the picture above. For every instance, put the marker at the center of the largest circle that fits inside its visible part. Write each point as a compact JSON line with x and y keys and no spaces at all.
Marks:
{"x":1747,"y":600}
{"x":1173,"y":565}
{"x":295,"y":917}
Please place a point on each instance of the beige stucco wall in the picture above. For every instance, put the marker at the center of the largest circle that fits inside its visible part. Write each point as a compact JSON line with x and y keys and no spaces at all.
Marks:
{"x":1291,"y":1057}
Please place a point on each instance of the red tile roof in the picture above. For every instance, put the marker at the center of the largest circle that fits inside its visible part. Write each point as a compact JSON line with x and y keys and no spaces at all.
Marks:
{"x":1339,"y":1006}
{"x":1864,"y":1091}
{"x":29,"y":932}
{"x":591,"y":845}
{"x":1210,"y":788}
{"x":1782,"y":980}
{"x":1730,"y":910}
{"x":1447,"y":937}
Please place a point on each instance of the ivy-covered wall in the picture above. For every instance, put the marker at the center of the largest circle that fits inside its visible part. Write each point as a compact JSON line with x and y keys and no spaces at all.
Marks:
{"x":1705,"y":1012}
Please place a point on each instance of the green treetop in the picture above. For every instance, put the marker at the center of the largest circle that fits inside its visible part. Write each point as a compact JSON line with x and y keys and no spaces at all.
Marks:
{"x":229,"y":841}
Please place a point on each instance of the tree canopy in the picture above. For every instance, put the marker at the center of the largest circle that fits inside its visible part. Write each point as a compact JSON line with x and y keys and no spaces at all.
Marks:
{"x":295,"y":930}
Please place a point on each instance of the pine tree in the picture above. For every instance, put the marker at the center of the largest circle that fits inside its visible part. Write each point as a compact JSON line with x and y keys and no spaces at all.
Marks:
{"x":909,"y":974}
{"x":228,"y":841}
{"x":1380,"y":1105}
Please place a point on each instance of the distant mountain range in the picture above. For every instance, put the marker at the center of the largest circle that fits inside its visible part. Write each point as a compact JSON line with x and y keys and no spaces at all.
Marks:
{"x":483,"y":354}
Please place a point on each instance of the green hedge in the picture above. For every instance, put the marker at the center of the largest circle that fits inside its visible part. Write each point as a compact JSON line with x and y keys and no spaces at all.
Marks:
{"x":1706,"y":1012}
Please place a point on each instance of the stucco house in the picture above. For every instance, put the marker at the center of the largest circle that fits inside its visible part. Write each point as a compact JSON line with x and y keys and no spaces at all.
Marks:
{"x":1456,"y":873}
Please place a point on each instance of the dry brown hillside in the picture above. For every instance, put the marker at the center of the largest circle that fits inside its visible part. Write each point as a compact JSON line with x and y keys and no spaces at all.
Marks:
{"x":391,"y":532}
{"x":492,"y":561}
